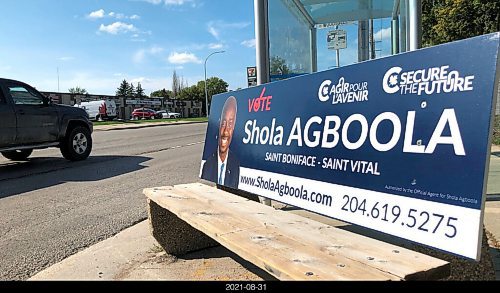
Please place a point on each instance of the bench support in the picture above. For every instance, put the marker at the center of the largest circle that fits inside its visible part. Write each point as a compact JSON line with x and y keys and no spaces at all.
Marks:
{"x":174,"y":235}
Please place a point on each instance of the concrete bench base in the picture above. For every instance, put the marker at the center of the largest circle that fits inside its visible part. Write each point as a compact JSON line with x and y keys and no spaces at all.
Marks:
{"x":174,"y":235}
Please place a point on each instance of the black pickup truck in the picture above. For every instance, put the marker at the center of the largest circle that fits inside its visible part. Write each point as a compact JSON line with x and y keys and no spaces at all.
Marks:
{"x":29,"y":120}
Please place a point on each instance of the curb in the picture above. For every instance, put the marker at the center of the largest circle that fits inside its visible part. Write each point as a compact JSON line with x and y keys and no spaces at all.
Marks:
{"x":118,"y":126}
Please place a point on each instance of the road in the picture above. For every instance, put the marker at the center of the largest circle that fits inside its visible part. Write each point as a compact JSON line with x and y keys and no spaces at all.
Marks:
{"x":51,"y":208}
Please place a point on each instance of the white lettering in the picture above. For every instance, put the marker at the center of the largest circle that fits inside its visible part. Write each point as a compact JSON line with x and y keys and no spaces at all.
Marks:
{"x":448,"y":117}
{"x":364,"y":132}
{"x":395,"y":135}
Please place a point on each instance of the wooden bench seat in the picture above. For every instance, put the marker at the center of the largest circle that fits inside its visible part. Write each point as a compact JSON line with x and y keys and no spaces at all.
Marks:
{"x":287,"y":246}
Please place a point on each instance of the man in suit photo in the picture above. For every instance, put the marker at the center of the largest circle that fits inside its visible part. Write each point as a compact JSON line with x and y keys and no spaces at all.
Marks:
{"x":223,"y":167}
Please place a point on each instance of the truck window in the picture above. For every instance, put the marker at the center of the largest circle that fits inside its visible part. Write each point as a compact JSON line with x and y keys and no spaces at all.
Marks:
{"x":24,"y":96}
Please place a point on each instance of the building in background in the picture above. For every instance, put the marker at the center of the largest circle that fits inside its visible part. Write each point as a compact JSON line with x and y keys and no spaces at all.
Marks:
{"x":126,"y":105}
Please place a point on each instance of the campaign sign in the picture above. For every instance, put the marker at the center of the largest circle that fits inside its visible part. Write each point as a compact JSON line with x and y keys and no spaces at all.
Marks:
{"x":399,"y":144}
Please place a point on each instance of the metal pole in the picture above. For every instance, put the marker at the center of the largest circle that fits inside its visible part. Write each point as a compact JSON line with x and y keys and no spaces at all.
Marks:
{"x":262,"y":51}
{"x":363,"y":41}
{"x":395,"y":36}
{"x":314,"y":50}
{"x":415,"y":24}
{"x":262,"y":40}
{"x":338,"y":51}
{"x":371,"y":41}
{"x":206,"y":94}
{"x":206,"y":91}
{"x":403,"y":16}
{"x":395,"y":28}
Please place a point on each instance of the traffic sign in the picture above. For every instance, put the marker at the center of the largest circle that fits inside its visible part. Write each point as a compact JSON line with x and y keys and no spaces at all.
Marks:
{"x":337,"y":39}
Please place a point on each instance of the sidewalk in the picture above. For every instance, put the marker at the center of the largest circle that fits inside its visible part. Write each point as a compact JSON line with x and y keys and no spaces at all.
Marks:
{"x":133,"y":254}
{"x":142,"y":125}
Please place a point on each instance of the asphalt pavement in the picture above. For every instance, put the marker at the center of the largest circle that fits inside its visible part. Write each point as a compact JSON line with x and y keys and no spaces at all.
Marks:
{"x":51,"y":209}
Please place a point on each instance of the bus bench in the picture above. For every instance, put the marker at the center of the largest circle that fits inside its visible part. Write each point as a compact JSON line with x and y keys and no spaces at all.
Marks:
{"x":195,"y":216}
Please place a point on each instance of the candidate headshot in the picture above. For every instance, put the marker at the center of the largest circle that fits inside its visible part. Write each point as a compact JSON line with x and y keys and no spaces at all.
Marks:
{"x":223,"y":167}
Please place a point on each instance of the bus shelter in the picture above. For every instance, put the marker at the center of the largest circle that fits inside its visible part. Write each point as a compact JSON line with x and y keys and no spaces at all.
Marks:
{"x":295,"y":37}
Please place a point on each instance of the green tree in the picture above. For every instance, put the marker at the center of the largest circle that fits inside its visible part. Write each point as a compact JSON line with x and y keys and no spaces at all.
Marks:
{"x":131,"y":90}
{"x":215,"y":86}
{"x":122,"y":90}
{"x":139,"y":92}
{"x":78,"y":91}
{"x":279,"y":66}
{"x":450,"y":20}
{"x":176,"y":84}
{"x":162,"y":94}
{"x":192,"y":93}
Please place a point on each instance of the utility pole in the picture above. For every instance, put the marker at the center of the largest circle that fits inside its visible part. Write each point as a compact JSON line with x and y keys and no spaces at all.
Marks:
{"x":206,"y":91}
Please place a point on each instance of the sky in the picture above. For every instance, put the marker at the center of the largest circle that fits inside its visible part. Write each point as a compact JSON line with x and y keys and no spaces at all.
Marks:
{"x":95,"y":44}
{"x":55,"y":45}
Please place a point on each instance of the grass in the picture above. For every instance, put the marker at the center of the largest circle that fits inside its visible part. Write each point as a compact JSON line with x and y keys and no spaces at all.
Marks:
{"x":496,"y":130}
{"x":132,"y":122}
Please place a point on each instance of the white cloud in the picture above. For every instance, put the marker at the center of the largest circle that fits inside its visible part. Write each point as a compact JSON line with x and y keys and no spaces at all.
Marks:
{"x":215,"y":46}
{"x":101,"y":83}
{"x":142,"y":80}
{"x":213,"y":31}
{"x":170,"y":2}
{"x":183,"y":58}
{"x":66,"y":58}
{"x":155,"y":50}
{"x":102,"y":14}
{"x":249,"y":43}
{"x":155,"y":2}
{"x":150,"y":84}
{"x":117,"y":27}
{"x":140,"y":55}
{"x":175,"y":2}
{"x":232,"y":25}
{"x":216,"y":27}
{"x":383,"y":34}
{"x":96,"y":14}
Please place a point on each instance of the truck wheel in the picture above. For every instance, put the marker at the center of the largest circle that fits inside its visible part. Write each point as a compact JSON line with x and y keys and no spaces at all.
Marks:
{"x":77,"y":144}
{"x":17,"y":155}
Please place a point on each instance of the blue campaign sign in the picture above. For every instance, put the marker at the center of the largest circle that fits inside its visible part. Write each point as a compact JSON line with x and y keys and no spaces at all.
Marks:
{"x":399,"y":144}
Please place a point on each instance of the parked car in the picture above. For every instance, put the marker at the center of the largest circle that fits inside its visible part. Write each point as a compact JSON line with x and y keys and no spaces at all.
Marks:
{"x":144,"y":113}
{"x":30,"y":121}
{"x":99,"y":110}
{"x":164,"y":114}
